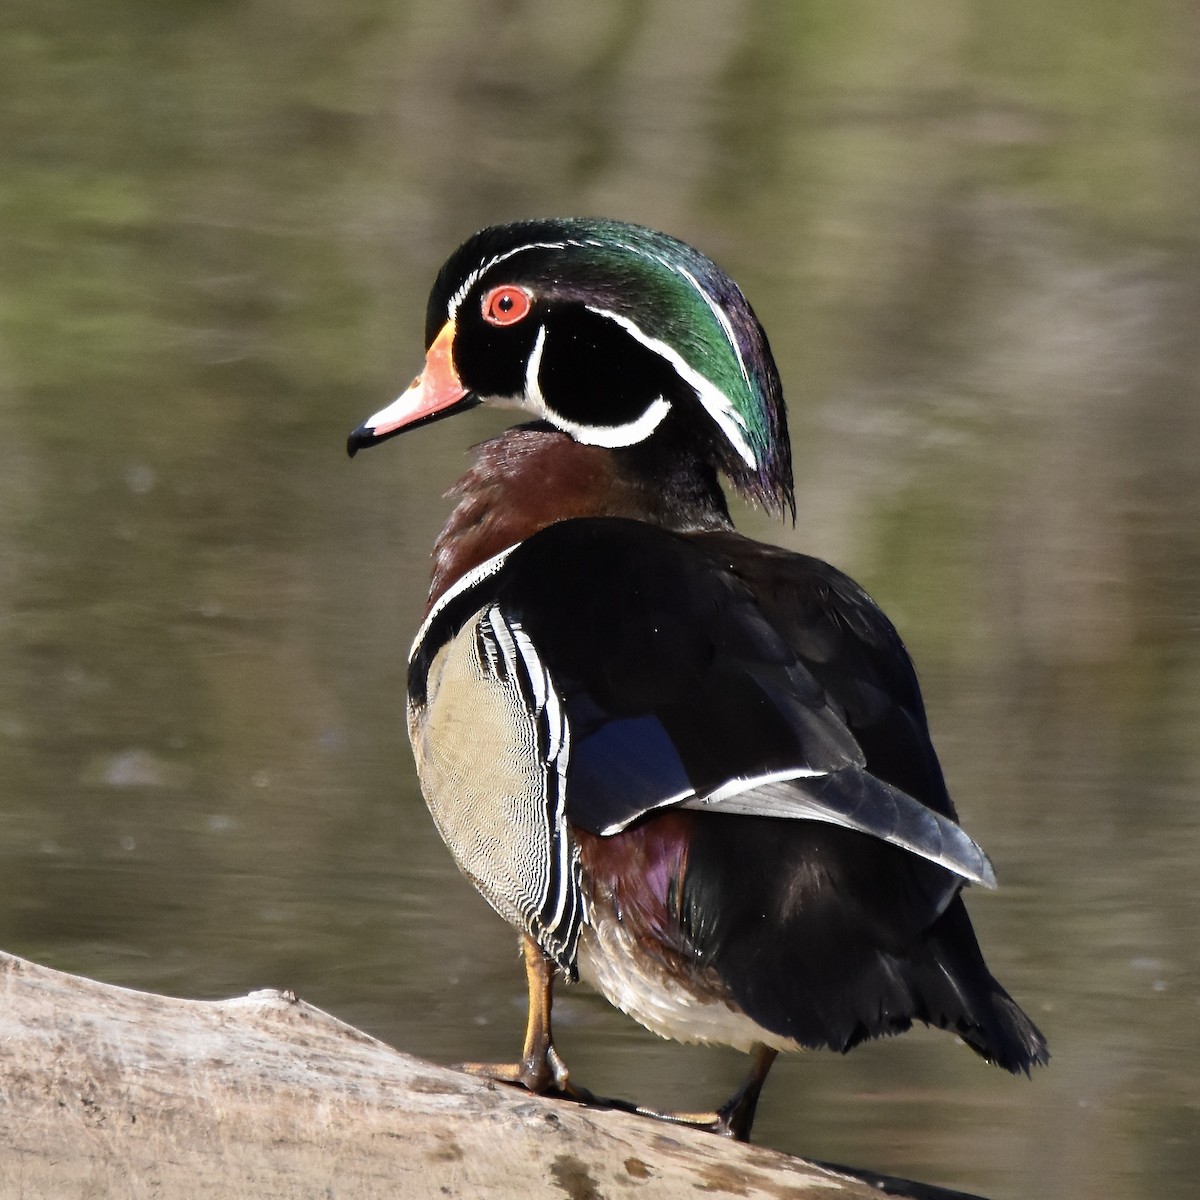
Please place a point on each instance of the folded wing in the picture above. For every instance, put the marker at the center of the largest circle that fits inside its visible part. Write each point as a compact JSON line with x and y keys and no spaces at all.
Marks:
{"x":680,"y":690}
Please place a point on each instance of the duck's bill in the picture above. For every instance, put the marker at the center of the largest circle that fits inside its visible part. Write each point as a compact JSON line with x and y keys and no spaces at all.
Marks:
{"x":437,"y":392}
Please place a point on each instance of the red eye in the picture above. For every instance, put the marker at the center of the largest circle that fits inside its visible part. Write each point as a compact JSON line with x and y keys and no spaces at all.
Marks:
{"x":506,"y":305}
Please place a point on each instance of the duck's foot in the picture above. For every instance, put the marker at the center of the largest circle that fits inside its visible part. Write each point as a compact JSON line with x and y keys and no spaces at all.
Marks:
{"x":730,"y":1120}
{"x":735,"y":1117}
{"x":543,"y":1073}
{"x":541,"y":1069}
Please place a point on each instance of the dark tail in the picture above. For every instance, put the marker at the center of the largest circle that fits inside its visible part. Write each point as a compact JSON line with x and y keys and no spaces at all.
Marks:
{"x":957,"y":992}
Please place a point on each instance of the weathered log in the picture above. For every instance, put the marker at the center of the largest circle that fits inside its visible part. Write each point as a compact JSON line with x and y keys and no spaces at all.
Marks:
{"x":110,"y":1092}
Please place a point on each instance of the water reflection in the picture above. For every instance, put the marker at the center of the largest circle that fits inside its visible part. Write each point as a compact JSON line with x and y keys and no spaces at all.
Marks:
{"x":973,"y":244}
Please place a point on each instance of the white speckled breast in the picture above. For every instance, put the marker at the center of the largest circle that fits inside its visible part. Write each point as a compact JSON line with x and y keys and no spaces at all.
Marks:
{"x":487,"y":745}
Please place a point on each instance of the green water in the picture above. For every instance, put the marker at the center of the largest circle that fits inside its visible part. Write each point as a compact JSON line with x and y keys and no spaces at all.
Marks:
{"x":972,"y":234}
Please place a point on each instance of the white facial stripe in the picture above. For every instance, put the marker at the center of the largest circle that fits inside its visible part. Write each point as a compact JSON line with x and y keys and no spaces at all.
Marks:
{"x":608,"y":436}
{"x":717,"y":404}
{"x":479,"y":272}
{"x":469,"y":580}
{"x":533,"y":388}
{"x":613,"y":436}
{"x":723,"y":319}
{"x":714,"y":307}
{"x":711,"y":396}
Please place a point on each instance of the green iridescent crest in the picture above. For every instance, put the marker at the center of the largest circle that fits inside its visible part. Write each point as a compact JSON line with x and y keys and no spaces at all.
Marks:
{"x":674,"y":300}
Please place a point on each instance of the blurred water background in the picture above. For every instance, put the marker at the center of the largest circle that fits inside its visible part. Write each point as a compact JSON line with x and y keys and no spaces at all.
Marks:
{"x":973,"y":234}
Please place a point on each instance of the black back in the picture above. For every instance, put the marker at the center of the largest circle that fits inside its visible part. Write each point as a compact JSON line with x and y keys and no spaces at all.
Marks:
{"x":687,"y":661}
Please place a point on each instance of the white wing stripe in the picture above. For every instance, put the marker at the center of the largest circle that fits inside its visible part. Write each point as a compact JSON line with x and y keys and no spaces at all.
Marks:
{"x":734,"y":787}
{"x":554,"y":892}
{"x":533,"y":665}
{"x":504,"y":638}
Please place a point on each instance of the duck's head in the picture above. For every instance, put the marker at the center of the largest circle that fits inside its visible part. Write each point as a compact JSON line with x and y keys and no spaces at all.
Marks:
{"x":616,"y":335}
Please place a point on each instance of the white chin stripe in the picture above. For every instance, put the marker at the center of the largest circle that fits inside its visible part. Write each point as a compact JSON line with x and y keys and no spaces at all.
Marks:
{"x":608,"y":436}
{"x":618,"y":435}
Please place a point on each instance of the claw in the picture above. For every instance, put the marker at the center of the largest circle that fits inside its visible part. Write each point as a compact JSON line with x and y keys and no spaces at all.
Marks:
{"x":541,"y":1069}
{"x":556,"y":1080}
{"x":736,"y":1116}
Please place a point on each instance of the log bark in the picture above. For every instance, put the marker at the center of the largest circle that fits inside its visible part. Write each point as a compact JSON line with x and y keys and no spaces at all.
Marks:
{"x":110,"y":1092}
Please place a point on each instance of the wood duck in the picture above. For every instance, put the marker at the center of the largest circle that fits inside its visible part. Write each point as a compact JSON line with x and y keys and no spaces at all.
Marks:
{"x":691,"y":769}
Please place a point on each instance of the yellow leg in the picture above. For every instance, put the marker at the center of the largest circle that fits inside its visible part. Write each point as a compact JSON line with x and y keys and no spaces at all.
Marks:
{"x":541,"y":1069}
